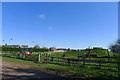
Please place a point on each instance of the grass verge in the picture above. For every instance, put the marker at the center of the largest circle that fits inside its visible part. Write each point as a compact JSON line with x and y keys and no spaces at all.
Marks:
{"x":69,"y":71}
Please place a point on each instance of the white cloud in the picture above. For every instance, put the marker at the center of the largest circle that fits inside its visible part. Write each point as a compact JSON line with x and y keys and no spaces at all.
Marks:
{"x":42,"y":16}
{"x":50,"y":28}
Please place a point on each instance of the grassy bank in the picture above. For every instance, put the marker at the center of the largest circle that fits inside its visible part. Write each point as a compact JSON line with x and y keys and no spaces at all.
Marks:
{"x":70,"y":71}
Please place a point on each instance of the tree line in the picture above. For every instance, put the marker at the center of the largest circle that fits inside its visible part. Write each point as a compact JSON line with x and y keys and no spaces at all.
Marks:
{"x":18,"y":49}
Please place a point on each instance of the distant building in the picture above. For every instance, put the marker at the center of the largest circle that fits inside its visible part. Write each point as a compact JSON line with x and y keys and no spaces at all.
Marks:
{"x":73,"y":50}
{"x":45,"y":48}
{"x":52,"y":49}
{"x":24,"y":46}
{"x":60,"y":51}
{"x":16,"y":46}
{"x":36,"y":47}
{"x":13,"y":46}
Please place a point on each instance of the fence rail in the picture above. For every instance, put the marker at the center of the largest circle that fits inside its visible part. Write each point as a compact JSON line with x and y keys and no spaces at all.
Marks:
{"x":84,"y":61}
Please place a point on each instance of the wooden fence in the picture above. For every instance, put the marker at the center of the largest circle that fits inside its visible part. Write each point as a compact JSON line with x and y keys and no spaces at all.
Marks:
{"x":81,"y":61}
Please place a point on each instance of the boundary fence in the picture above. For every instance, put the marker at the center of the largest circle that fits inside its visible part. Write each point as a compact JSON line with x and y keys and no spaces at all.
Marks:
{"x":45,"y":58}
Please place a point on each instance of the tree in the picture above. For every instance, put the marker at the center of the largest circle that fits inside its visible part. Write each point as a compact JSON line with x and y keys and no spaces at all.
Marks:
{"x":36,"y":46}
{"x":115,"y":48}
{"x":68,"y":49}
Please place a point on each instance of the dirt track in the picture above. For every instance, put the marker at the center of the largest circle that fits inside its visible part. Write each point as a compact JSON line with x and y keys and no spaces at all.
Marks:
{"x":17,"y":71}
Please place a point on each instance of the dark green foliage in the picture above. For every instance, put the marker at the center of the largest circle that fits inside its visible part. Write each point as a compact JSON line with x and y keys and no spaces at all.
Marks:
{"x":18,"y":49}
{"x":115,"y":47}
{"x":10,"y":49}
{"x":40,"y":50}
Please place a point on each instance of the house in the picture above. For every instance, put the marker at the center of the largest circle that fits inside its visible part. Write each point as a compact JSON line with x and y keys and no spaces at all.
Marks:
{"x":52,"y":49}
{"x":45,"y":48}
{"x":13,"y":46}
{"x":24,"y":46}
{"x":60,"y":50}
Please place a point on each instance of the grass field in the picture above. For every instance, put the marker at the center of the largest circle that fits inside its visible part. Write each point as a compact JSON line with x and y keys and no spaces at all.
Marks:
{"x":90,"y":70}
{"x":71,"y":71}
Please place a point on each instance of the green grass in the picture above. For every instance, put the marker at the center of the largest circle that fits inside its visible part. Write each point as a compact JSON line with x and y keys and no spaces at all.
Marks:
{"x":71,"y":54}
{"x":34,"y":57}
{"x":108,"y":71}
{"x":76,"y":71}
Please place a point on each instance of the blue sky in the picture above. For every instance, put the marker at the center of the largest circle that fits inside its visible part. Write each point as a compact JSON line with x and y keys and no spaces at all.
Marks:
{"x":62,"y":25}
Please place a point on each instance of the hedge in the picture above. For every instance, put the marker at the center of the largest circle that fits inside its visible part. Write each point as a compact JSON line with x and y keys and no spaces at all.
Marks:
{"x":18,"y":49}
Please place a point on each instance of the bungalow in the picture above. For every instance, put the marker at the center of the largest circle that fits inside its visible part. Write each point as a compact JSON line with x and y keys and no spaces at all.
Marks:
{"x":60,"y":50}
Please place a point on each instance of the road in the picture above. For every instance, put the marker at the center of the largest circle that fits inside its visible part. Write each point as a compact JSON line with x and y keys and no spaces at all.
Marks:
{"x":11,"y":70}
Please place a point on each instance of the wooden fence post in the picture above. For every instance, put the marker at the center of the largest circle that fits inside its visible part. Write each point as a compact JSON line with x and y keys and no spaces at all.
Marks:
{"x":78,"y":56}
{"x":83,"y":61}
{"x":52,"y":59}
{"x":47,"y":57}
{"x":100,"y":63}
{"x":68,"y":61}
{"x":108,"y":55}
{"x":39,"y":57}
{"x":58,"y":59}
{"x":23,"y":56}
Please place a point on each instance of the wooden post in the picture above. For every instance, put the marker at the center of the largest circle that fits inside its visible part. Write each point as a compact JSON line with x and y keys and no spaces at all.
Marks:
{"x":100,"y":63}
{"x":39,"y":57}
{"x":58,"y":59}
{"x":68,"y":61}
{"x":108,"y":55}
{"x":46,"y":58}
{"x":89,"y":53}
{"x":83,"y":61}
{"x":23,"y":56}
{"x":78,"y":55}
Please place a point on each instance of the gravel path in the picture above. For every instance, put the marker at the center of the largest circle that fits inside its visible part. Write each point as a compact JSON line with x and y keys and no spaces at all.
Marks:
{"x":16,"y":71}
